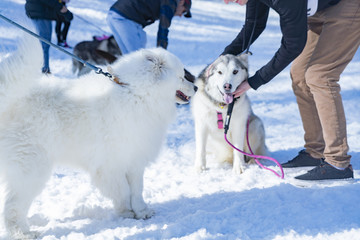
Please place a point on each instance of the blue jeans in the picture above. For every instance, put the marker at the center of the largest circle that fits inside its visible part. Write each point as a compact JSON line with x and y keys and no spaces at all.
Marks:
{"x":44,"y":29}
{"x":128,"y":34}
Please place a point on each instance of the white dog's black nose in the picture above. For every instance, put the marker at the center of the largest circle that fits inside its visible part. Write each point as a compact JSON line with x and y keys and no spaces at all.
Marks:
{"x":227,"y":86}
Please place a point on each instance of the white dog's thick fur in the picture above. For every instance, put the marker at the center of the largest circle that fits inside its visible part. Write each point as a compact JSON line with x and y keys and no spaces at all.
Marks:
{"x":216,"y":85}
{"x":110,"y":130}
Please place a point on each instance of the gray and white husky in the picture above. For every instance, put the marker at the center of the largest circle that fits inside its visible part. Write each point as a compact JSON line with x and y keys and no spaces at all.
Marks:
{"x":216,"y":85}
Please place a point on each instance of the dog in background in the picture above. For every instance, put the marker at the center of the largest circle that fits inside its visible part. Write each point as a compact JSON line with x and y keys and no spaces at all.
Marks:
{"x":90,"y":122}
{"x":216,"y":84}
{"x":100,"y":51}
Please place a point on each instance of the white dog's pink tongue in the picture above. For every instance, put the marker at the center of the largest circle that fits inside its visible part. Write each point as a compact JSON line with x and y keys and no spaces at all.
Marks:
{"x":228,"y":98}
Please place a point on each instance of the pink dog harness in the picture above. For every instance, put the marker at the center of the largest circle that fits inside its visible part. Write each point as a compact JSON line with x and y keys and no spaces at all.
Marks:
{"x":220,"y":121}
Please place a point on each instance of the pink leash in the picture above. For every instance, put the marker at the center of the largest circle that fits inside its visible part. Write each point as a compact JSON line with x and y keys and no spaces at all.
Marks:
{"x":220,"y":126}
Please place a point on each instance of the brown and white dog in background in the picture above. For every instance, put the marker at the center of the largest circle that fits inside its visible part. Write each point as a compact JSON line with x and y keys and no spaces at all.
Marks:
{"x":100,"y":51}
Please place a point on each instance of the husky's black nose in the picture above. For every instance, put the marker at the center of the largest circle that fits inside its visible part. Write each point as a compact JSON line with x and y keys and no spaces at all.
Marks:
{"x":195,"y":88}
{"x":227,"y":86}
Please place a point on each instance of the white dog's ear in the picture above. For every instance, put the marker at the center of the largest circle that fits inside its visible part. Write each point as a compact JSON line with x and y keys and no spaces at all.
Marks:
{"x":156,"y":61}
{"x":244,"y":58}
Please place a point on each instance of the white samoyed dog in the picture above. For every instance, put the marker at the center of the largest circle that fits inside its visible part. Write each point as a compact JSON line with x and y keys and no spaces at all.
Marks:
{"x":216,"y":84}
{"x":111,"y":130}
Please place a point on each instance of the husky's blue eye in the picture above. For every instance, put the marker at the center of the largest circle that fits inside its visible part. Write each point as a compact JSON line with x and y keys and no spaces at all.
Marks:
{"x":235,"y":72}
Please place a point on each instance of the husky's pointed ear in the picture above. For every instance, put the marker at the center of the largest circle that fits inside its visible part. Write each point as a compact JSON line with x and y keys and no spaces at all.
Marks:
{"x":209,"y":70}
{"x":244,"y":58}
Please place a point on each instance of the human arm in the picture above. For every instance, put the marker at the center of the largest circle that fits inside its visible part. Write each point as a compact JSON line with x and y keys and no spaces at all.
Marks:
{"x":256,"y":12}
{"x":43,"y":9}
{"x":293,"y":25}
{"x":167,"y":10}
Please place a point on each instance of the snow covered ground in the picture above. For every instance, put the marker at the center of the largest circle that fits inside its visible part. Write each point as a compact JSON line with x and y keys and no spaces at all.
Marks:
{"x":216,"y":204}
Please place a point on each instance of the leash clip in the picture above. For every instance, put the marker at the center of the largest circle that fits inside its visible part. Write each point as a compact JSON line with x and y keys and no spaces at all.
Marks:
{"x":228,"y":116}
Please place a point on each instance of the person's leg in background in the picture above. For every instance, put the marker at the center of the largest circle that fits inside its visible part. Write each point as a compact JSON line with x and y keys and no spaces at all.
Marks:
{"x":65,"y":32}
{"x":58,"y":31}
{"x":44,"y":28}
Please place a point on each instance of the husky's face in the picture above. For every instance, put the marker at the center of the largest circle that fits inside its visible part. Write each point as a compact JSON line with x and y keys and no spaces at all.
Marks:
{"x":225,"y":75}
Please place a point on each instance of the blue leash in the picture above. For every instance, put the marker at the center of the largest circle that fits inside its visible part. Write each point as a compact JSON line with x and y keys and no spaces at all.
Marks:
{"x":86,"y":64}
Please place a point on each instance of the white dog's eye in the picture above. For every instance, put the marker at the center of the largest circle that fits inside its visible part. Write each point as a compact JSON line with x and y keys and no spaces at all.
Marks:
{"x":220,"y":72}
{"x":235,"y":72}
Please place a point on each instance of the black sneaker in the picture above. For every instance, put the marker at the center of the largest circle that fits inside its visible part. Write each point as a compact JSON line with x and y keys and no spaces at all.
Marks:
{"x":326,"y":171}
{"x":303,"y":159}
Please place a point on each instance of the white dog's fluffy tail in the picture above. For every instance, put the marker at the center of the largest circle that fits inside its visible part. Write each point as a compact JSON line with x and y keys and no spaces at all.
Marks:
{"x":20,"y":68}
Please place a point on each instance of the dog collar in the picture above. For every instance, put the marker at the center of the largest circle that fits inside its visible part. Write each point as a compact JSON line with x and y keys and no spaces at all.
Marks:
{"x":222,"y":105}
{"x":220,"y":121}
{"x":116,"y":80}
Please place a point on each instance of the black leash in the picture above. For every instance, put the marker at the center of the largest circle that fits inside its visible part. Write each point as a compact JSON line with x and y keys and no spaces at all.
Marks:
{"x":86,"y":64}
{"x":228,"y":116}
{"x":231,"y":105}
{"x":252,"y":31}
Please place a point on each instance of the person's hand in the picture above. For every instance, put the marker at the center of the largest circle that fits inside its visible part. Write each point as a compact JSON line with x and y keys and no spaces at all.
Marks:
{"x":242,"y":88}
{"x":63,"y":9}
{"x":180,"y":9}
{"x":67,"y":16}
{"x":241,"y":2}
